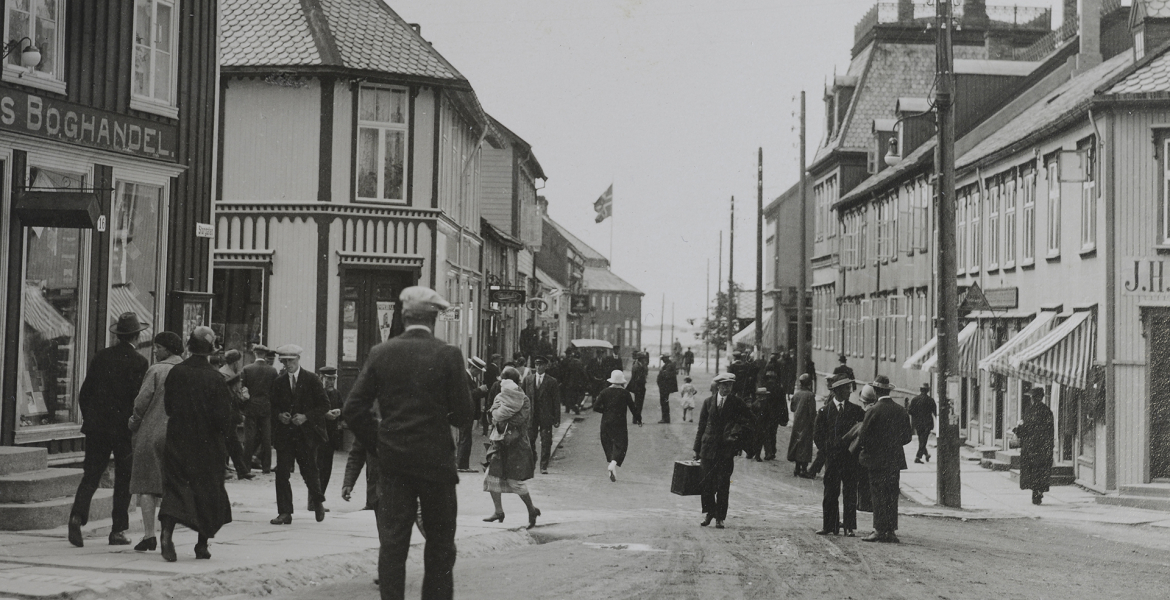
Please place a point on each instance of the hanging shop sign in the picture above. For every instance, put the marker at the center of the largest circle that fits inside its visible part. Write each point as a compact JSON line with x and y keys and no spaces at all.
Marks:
{"x":53,"y":119}
{"x":579,"y":304}
{"x":505,"y":295}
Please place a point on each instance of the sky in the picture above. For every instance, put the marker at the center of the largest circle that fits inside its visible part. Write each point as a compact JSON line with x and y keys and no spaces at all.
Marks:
{"x":667,"y":100}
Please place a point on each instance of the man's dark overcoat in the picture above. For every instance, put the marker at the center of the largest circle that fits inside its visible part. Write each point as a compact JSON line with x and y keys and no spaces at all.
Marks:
{"x":667,"y":379}
{"x":421,"y":391}
{"x":310,"y":400}
{"x":107,"y":395}
{"x":198,"y":405}
{"x":884,"y":432}
{"x":545,"y":400}
{"x":258,"y":378}
{"x":804,"y":416}
{"x":831,"y":425}
{"x":922,"y":411}
{"x":723,"y":432}
{"x":1037,"y":438}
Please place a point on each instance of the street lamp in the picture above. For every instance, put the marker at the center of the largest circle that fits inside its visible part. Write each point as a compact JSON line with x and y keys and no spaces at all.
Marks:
{"x":30,"y":56}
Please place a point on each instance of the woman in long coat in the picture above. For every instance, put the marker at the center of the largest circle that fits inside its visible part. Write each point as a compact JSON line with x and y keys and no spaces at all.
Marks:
{"x":198,"y":405}
{"x":149,"y":424}
{"x":804,"y":416}
{"x":510,"y":462}
{"x":612,"y":403}
{"x":1037,"y":439}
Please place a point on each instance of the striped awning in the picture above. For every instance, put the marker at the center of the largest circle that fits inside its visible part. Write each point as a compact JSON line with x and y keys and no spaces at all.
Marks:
{"x":41,"y":316}
{"x":123,"y":299}
{"x":747,"y":335}
{"x":999,"y":361}
{"x":1063,"y":356}
{"x":971,"y":344}
{"x":922,"y":355}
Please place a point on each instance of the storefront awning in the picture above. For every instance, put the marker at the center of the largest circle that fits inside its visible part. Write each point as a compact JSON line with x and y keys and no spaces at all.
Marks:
{"x":970,"y":346}
{"x":922,"y":355}
{"x":42,"y":317}
{"x":747,"y":335}
{"x":1062,"y":356}
{"x":999,"y":361}
{"x":122,"y":300}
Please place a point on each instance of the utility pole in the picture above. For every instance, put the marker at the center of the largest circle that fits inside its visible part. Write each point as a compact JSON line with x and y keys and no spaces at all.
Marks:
{"x":707,"y":317}
{"x":718,"y":290}
{"x":801,"y":324}
{"x":672,"y":329}
{"x":760,"y":255}
{"x":948,"y":328}
{"x":731,"y":285}
{"x":661,"y":324}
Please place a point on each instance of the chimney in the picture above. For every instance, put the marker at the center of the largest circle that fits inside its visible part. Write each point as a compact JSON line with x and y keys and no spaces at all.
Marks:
{"x":975,"y":14}
{"x":905,"y":11}
{"x":1070,"y":11}
{"x":1089,"y":28}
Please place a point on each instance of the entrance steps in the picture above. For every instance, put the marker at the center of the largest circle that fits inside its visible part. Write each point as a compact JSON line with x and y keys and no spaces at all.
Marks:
{"x":33,"y":496}
{"x":996,"y":459}
{"x":1002,"y":460}
{"x":1061,"y":475}
{"x":1152,"y":496}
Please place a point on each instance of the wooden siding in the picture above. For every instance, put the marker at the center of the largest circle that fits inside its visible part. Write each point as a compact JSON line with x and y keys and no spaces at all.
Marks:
{"x":424,"y":149}
{"x":343,"y":134}
{"x":292,"y":320}
{"x":496,"y":188}
{"x":271,"y":141}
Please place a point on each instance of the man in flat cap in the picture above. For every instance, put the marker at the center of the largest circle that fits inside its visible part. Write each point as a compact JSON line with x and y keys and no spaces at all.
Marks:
{"x":106,"y":399}
{"x":258,"y":378}
{"x":724,"y":429}
{"x":299,"y":405}
{"x":420,"y":388}
{"x":1037,"y":440}
{"x":545,"y":392}
{"x":479,"y":392}
{"x":834,"y":420}
{"x":884,"y":432}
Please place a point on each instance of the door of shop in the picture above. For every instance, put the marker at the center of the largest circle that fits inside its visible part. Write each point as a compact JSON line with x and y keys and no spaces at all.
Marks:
{"x":1157,"y":323}
{"x":370,"y":315}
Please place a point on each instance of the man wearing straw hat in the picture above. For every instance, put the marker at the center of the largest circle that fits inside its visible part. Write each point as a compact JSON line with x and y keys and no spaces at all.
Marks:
{"x":834,"y":420}
{"x":106,"y":400}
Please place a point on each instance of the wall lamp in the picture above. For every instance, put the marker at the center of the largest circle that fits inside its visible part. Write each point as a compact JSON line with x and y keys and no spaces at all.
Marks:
{"x":29,"y":55}
{"x":893,"y":148}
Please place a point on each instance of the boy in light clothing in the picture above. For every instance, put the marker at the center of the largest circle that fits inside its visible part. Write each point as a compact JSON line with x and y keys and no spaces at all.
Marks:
{"x":688,"y":393}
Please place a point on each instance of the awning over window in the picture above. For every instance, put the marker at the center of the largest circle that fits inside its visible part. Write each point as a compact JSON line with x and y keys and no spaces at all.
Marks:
{"x":970,"y":346}
{"x":922,"y":355}
{"x":42,"y":317}
{"x":747,"y":335}
{"x":123,"y":300}
{"x":1062,"y":356}
{"x":999,"y":361}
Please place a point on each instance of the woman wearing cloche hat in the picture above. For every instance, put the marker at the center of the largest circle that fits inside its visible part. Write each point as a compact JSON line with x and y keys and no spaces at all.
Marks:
{"x":612,"y":403}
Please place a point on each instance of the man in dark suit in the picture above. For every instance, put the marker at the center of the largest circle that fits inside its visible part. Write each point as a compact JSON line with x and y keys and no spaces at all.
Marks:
{"x":545,"y":391}
{"x":667,"y":384}
{"x":479,"y":392}
{"x":258,"y":378}
{"x":922,"y":411}
{"x":420,"y":387}
{"x":106,"y":400}
{"x":885,"y":430}
{"x":576,"y":382}
{"x":724,"y":424}
{"x":637,"y":385}
{"x":299,"y":405}
{"x":834,"y":420}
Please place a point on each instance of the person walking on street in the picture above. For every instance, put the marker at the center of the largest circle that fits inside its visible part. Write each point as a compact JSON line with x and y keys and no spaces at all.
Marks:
{"x":478,"y":391}
{"x":724,"y":424}
{"x":545,"y":392}
{"x":612,"y":403}
{"x":637,"y":385}
{"x":688,"y":360}
{"x":106,"y":400}
{"x":299,"y":405}
{"x":833,"y":421}
{"x":1036,"y":434}
{"x":687,"y":395}
{"x":359,"y":457}
{"x":577,"y":382}
{"x":258,"y":378}
{"x":198,"y":405}
{"x":923,"y":410}
{"x":804,"y":416}
{"x":868,"y":397}
{"x":884,"y":432}
{"x":333,"y":432}
{"x":226,"y":364}
{"x":667,"y":385}
{"x":775,"y":413}
{"x":419,"y":385}
{"x":510,"y":460}
{"x":148,"y":425}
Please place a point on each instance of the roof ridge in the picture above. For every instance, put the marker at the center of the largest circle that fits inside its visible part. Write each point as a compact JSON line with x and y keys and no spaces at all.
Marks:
{"x":321,"y":32}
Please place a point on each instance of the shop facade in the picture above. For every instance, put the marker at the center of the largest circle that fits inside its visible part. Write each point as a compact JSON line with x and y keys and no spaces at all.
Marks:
{"x":107,"y":166}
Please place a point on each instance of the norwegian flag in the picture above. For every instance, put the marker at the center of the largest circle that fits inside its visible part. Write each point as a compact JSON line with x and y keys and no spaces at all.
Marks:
{"x":604,"y":205}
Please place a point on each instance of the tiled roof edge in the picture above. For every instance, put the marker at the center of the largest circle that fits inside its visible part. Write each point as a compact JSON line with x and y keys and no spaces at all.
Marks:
{"x":1135,"y":67}
{"x":321,"y":32}
{"x":421,"y":39}
{"x":1059,"y":124}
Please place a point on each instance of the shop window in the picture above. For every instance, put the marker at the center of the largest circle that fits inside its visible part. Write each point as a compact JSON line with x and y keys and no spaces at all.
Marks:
{"x":135,"y":223}
{"x":52,"y":309}
{"x":42,"y":22}
{"x":381,"y":144}
{"x":239,"y":306}
{"x":156,"y":27}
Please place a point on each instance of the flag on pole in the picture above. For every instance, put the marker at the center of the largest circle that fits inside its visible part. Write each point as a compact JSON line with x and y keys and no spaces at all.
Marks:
{"x":604,"y":205}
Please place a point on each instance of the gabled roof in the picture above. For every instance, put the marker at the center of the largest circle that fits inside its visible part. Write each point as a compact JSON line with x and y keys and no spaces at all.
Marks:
{"x":1049,"y":114}
{"x":591,"y":256}
{"x":1148,"y":9}
{"x":362,"y":35}
{"x":604,"y":280}
{"x":524,"y":147}
{"x":792,"y":193}
{"x":1151,"y":75}
{"x":499,"y":235}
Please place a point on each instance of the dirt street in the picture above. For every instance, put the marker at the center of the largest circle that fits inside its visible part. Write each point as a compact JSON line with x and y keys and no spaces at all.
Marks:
{"x":634,"y":539}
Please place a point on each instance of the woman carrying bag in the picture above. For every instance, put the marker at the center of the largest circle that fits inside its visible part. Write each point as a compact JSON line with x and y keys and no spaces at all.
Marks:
{"x":510,"y":460}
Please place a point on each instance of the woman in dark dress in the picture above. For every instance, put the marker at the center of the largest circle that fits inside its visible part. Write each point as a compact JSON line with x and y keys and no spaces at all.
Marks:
{"x":1037,"y":442}
{"x":198,"y":405}
{"x":612,"y":403}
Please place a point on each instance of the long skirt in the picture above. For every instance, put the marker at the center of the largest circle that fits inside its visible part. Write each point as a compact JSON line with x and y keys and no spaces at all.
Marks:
{"x":615,"y":441}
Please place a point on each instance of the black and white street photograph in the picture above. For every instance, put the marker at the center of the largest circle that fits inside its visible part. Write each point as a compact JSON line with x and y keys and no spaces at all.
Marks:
{"x":585,"y":299}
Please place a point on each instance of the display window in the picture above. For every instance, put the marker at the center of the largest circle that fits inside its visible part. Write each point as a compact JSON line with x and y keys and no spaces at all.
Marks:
{"x":135,"y":244}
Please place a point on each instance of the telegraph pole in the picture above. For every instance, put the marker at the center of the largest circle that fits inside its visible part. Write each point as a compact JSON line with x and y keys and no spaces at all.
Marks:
{"x":948,"y":328}
{"x":801,"y":324}
{"x":760,"y":255}
{"x":731,"y":285}
{"x":707,"y":318}
{"x":718,"y":290}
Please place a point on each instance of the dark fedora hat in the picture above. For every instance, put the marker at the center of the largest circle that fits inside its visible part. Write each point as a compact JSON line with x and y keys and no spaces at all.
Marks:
{"x":882,"y":383}
{"x":127,"y":323}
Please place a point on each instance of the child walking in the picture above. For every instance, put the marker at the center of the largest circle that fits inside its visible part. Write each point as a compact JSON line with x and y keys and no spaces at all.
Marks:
{"x":688,"y":393}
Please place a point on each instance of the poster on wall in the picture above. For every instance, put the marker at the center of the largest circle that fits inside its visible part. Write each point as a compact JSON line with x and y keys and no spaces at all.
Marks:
{"x":385,"y":319}
{"x":193,"y":309}
{"x":349,"y":344}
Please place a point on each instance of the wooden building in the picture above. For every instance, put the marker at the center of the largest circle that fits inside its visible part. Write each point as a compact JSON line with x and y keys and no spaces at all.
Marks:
{"x":782,"y":227}
{"x":350,"y":169}
{"x":107,"y":141}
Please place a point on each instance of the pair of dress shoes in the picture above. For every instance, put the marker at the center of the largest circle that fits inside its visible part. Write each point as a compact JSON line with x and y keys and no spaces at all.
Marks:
{"x":885,"y":537}
{"x":117,"y":538}
{"x":707,"y":521}
{"x":286,"y":518}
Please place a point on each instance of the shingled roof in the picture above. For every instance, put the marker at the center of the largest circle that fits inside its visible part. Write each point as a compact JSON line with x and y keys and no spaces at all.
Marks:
{"x":362,"y":35}
{"x":1146,"y":79}
{"x":604,"y":280}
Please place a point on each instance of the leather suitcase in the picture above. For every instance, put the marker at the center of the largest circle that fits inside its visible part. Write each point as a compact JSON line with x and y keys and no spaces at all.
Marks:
{"x":688,"y":478}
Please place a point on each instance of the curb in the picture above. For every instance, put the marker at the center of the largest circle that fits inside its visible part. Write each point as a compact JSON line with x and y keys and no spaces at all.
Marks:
{"x":561,"y":432}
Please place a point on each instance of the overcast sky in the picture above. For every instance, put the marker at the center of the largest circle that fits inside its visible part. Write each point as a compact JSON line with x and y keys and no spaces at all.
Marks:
{"x":668,"y":100}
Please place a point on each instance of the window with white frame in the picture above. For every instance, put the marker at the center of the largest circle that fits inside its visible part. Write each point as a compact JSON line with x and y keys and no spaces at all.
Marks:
{"x":961,"y":232}
{"x":994,"y":193}
{"x":974,"y":215}
{"x":911,"y":330}
{"x":156,"y":39}
{"x":1009,"y":220}
{"x":894,"y":319}
{"x":1088,"y":154}
{"x":1052,"y":167}
{"x":41,"y":24}
{"x":885,"y":228}
{"x":1028,"y":202}
{"x":381,"y":144}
